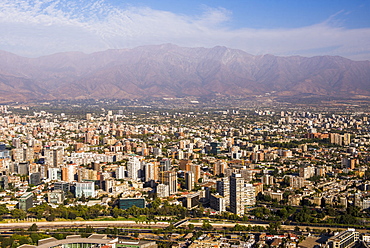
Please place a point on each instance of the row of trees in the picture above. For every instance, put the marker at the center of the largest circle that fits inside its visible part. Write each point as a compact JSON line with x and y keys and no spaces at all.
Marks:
{"x":156,"y":208}
{"x":350,"y":215}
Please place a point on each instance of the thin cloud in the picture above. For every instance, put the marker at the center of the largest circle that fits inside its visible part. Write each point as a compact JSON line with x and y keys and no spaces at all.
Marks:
{"x":40,"y":27}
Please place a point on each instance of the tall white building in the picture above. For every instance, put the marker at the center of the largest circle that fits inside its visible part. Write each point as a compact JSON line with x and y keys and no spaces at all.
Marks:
{"x":54,"y":156}
{"x":163,"y":190}
{"x":120,"y":172}
{"x":68,"y":172}
{"x":54,"y":174}
{"x":250,"y":195}
{"x":133,"y":167}
{"x":241,"y":194}
{"x":268,"y":179}
{"x":237,"y":194}
{"x":189,"y":180}
{"x":169,"y":178}
{"x":151,"y":172}
{"x":85,"y":188}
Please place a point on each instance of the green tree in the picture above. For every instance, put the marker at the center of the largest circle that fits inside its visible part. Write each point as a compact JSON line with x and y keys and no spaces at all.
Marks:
{"x":35,"y":237}
{"x":3,"y":209}
{"x":18,"y":214}
{"x":33,"y":228}
{"x":116,"y":212}
{"x":156,"y":203}
{"x":274,"y":227}
{"x":283,"y":213}
{"x":191,"y":227}
{"x":207,"y":226}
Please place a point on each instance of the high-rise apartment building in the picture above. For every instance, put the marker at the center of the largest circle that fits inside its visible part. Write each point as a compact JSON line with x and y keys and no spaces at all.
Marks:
{"x":133,"y":167}
{"x":54,"y":174}
{"x":306,"y":171}
{"x":338,"y":139}
{"x":219,"y":168}
{"x":162,"y":190}
{"x":26,"y":201}
{"x":68,"y":172}
{"x":249,"y":194}
{"x":189,"y":180}
{"x":169,"y":178}
{"x":195,"y":168}
{"x":223,"y":188}
{"x":54,"y":156}
{"x":237,"y":194}
{"x":268,"y":179}
{"x":120,"y":172}
{"x":165,"y":164}
{"x":151,"y":171}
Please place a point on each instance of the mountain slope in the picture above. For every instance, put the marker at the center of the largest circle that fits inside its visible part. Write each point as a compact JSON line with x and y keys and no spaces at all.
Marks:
{"x":172,"y":71}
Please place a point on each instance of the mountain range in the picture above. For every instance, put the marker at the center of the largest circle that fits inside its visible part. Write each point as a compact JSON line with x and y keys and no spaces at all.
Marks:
{"x":171,"y":71}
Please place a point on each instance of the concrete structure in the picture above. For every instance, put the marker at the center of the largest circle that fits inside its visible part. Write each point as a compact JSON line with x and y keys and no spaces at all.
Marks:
{"x":217,"y":202}
{"x":35,"y":178}
{"x":136,"y":244}
{"x":237,"y":194}
{"x":169,"y":178}
{"x":344,"y":239}
{"x":56,"y":197}
{"x":165,"y":164}
{"x":268,"y":180}
{"x":250,"y":195}
{"x":54,"y":156}
{"x":54,"y":174}
{"x":151,"y":171}
{"x":85,"y":188}
{"x":120,"y":172}
{"x":64,"y":186}
{"x":75,"y":241}
{"x":133,"y":167}
{"x":163,"y":190}
{"x":189,"y":180}
{"x":219,"y":168}
{"x":191,"y":200}
{"x":26,"y":201}
{"x":129,"y":202}
{"x":4,"y":182}
{"x":223,"y":188}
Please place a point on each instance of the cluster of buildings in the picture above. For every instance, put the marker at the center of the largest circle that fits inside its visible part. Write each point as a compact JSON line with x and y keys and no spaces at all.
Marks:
{"x":94,"y":240}
{"x":222,"y":159}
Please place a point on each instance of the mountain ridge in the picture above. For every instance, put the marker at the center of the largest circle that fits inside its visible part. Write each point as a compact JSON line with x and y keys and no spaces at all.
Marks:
{"x":171,"y":71}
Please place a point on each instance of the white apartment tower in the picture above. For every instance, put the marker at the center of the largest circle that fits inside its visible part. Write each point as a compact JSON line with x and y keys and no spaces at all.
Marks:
{"x":189,"y":180}
{"x":85,"y":188}
{"x":250,"y":195}
{"x":120,"y":172}
{"x":237,"y":194}
{"x":133,"y":167}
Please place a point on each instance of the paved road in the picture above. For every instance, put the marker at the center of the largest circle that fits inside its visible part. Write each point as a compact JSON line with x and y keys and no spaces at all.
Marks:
{"x":66,"y":224}
{"x":285,"y":227}
{"x":133,"y":224}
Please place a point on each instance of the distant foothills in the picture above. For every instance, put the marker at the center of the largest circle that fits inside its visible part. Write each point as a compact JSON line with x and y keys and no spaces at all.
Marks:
{"x":167,"y":70}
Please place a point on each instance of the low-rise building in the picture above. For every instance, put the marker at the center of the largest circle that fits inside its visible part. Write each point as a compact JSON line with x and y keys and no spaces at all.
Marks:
{"x":344,"y":239}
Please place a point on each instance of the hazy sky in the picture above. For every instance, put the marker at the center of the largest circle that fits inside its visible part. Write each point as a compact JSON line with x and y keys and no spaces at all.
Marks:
{"x":279,"y":27}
